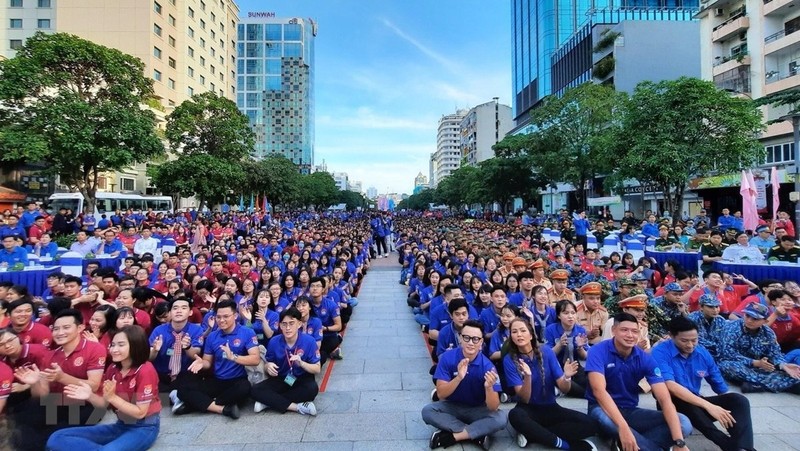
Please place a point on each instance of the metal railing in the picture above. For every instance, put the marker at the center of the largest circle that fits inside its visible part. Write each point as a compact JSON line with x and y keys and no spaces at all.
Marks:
{"x":780,"y":34}
{"x":736,"y":15}
{"x":739,"y":57}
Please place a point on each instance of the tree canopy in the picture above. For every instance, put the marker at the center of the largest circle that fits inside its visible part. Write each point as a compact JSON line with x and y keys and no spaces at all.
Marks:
{"x":76,"y":106}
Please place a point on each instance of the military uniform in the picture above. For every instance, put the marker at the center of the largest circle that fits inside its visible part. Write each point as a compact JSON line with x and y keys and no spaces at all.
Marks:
{"x":709,"y":332}
{"x":709,"y":250}
{"x":738,"y":350}
{"x":664,"y":243}
{"x":783,"y":255}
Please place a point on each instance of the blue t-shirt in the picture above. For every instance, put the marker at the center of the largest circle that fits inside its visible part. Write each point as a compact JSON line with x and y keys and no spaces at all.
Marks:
{"x":448,"y":339}
{"x":240,"y":340}
{"x":553,"y":333}
{"x":278,"y":352}
{"x":622,"y":373}
{"x":326,"y":312}
{"x":272,"y":321}
{"x":688,"y":372}
{"x":51,"y":250}
{"x":470,"y":391}
{"x":440,"y":316}
{"x":313,"y":328}
{"x":161,"y":362}
{"x":498,"y":338}
{"x":114,"y":246}
{"x":17,"y":255}
{"x":489,"y":319}
{"x":541,"y":394}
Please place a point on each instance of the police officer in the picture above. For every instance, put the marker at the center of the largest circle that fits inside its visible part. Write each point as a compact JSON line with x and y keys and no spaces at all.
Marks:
{"x":786,"y":251}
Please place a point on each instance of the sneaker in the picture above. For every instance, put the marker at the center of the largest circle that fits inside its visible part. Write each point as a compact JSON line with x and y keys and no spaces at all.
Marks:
{"x":434,"y":396}
{"x":522,"y":441}
{"x":484,"y":442}
{"x":179,"y":408}
{"x":436,"y":440}
{"x":337,"y":354}
{"x":503,"y":397}
{"x":258,"y":407}
{"x":307,"y":408}
{"x":173,"y":397}
{"x":441,"y":439}
{"x":231,"y":411}
{"x":748,"y":387}
{"x":590,"y":446}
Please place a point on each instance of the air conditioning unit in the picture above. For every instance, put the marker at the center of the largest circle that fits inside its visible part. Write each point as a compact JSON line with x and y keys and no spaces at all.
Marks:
{"x":743,"y":36}
{"x":719,"y":12}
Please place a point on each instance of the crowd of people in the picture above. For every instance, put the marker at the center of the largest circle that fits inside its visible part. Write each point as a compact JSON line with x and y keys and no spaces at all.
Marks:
{"x":512,"y":316}
{"x":248,"y":306}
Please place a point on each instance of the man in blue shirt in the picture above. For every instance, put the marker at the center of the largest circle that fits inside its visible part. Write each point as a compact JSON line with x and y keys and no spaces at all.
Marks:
{"x":684,"y":363}
{"x":468,"y":389}
{"x":29,"y":216}
{"x":13,"y":228}
{"x":725,"y":221}
{"x":581,"y":225}
{"x":227,"y":350}
{"x":110,"y":244}
{"x":327,"y":310}
{"x":11,"y":253}
{"x":174,"y":345}
{"x":615,"y":368}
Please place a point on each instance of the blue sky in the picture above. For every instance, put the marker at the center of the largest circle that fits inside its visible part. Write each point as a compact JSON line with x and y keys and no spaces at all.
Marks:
{"x":387,"y":70}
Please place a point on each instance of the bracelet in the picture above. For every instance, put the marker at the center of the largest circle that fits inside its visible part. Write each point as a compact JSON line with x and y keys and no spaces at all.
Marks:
{"x":568,"y":379}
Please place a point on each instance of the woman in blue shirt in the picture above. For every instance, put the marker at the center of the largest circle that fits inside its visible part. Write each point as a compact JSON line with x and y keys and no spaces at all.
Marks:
{"x":46,"y":247}
{"x":534,"y":372}
{"x":568,"y":341}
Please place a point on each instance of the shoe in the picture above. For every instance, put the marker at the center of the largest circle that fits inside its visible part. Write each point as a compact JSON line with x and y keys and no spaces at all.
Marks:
{"x":441,"y":439}
{"x":231,"y":411}
{"x":307,"y":408}
{"x":748,"y":387}
{"x":522,"y":441}
{"x":503,"y":397}
{"x":179,"y":408}
{"x":337,"y":354}
{"x":258,"y":407}
{"x":615,"y":445}
{"x":484,"y":442}
{"x":434,"y":396}
{"x":583,"y":445}
{"x":173,"y":397}
{"x":435,"y":441}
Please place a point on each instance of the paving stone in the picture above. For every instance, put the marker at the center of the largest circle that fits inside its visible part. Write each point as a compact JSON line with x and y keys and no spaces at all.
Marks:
{"x":394,"y":365}
{"x":351,"y":382}
{"x":410,"y":445}
{"x":417,"y":381}
{"x":392,"y":400}
{"x":255,"y":428}
{"x":770,"y":421}
{"x":329,"y":446}
{"x":349,"y":365}
{"x":356,"y":427}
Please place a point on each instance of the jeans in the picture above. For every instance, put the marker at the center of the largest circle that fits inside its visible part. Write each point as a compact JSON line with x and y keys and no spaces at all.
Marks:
{"x":648,"y":426}
{"x":455,"y":417}
{"x":793,"y":357}
{"x":117,"y":436}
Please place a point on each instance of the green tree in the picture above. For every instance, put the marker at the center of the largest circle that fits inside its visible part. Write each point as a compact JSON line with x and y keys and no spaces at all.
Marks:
{"x":76,"y":107}
{"x":419,"y":202}
{"x":279,"y":179}
{"x":463,"y":186}
{"x":212,"y":140}
{"x":571,"y":132}
{"x":318,"y":190}
{"x":507,"y":177}
{"x":352,"y":200}
{"x":677,"y":129}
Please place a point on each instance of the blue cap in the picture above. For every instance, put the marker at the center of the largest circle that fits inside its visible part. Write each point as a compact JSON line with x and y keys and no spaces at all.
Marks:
{"x":576,"y":261}
{"x":756,"y":310}
{"x":709,"y":300}
{"x":673,"y":286}
{"x":599,"y":262}
{"x":638,"y":276}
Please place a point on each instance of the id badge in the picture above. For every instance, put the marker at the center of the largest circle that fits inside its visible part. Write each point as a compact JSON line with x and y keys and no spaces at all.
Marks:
{"x":289,"y":379}
{"x":170,"y":352}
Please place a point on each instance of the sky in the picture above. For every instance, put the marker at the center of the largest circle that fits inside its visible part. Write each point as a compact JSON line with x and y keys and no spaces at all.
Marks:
{"x":388,"y":70}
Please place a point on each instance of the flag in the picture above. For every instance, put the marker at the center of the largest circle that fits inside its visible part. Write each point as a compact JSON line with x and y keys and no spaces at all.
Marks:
{"x":252,"y":202}
{"x":776,"y":186}
{"x":264,"y":206}
{"x":748,"y":192}
{"x":241,"y":202}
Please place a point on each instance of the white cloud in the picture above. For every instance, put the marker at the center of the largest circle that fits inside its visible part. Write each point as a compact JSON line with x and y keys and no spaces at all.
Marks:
{"x":446,"y":63}
{"x":365,"y":118}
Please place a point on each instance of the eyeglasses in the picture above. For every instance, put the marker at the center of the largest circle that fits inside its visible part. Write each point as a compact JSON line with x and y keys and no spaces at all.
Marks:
{"x":470,"y":339}
{"x":285,"y":325}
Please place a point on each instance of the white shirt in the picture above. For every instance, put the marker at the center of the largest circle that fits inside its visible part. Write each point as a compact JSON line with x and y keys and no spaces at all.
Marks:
{"x":145,"y":245}
{"x":738,"y":253}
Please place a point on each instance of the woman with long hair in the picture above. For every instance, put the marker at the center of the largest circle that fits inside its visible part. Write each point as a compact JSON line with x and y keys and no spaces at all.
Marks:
{"x":568,"y":341}
{"x":534,"y":373}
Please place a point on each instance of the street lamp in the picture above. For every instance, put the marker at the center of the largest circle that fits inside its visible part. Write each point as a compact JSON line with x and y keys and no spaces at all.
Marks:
{"x":795,"y":118}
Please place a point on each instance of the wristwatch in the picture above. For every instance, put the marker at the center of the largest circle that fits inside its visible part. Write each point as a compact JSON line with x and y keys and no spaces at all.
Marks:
{"x":679,"y":443}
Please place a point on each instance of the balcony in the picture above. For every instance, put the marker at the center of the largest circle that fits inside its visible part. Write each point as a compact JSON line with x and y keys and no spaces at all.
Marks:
{"x":727,"y":63}
{"x":777,"y":8}
{"x":783,"y":39}
{"x":776,"y":81}
{"x":738,"y":23}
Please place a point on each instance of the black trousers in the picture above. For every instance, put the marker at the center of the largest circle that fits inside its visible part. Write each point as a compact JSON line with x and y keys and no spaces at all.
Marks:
{"x":543,"y":424}
{"x":35,"y":420}
{"x":198,"y":392}
{"x":741,"y":434}
{"x":278,"y":395}
{"x":329,"y":344}
{"x":380,"y":244}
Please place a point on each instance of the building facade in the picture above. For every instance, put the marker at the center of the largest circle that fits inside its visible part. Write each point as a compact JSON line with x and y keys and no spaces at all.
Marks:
{"x":482,"y":127}
{"x":447,"y":157}
{"x":341,"y":179}
{"x":21,"y":19}
{"x":275,"y":85}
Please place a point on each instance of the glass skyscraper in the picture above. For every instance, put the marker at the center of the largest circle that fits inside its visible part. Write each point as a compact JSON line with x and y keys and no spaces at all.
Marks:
{"x":541,"y":27}
{"x":275,"y":85}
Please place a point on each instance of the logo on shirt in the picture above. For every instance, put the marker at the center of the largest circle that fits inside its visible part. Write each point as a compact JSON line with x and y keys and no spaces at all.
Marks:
{"x":237,"y":342}
{"x":148,"y":390}
{"x":323,"y":312}
{"x":299,"y":352}
{"x":78,"y":361}
{"x":101,"y":361}
{"x":6,"y":385}
{"x":657,"y":371}
{"x":132,"y":384}
{"x":255,"y":340}
{"x":701,"y":374}
{"x":27,"y":339}
{"x":46,"y":343}
{"x":611,"y":365}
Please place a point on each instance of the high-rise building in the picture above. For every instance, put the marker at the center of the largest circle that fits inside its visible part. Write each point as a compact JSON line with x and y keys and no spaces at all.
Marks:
{"x":432,"y":170}
{"x":341,"y":179}
{"x":275,"y":85}
{"x":447,"y":157}
{"x":372,"y":192}
{"x":484,"y":126}
{"x":541,"y":27}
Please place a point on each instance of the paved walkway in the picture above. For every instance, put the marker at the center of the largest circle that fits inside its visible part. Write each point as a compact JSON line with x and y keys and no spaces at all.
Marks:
{"x":373,"y":398}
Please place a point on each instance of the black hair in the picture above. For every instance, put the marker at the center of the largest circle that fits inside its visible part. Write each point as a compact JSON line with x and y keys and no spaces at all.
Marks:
{"x":473,"y":323}
{"x":772,"y":296}
{"x":623,"y":317}
{"x":70,"y":312}
{"x":138,"y":345}
{"x":291,"y":312}
{"x":456,"y":304}
{"x":681,"y":324}
{"x":764,"y":283}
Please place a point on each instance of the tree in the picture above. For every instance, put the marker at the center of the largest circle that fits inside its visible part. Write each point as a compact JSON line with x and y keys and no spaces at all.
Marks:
{"x":318,"y":190}
{"x":76,"y":107}
{"x":673,"y":130}
{"x":278,"y":178}
{"x":352,"y":200}
{"x":212,"y":140}
{"x":462,"y":186}
{"x":419,"y":202}
{"x":571,"y":132}
{"x":507,"y":177}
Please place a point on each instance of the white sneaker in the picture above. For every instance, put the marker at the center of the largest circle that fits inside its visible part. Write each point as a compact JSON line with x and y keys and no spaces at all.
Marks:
{"x":590,"y":443}
{"x":522,"y":441}
{"x":258,"y":407}
{"x":307,"y":408}
{"x":503,"y":397}
{"x":177,"y":408}
{"x":173,"y":397}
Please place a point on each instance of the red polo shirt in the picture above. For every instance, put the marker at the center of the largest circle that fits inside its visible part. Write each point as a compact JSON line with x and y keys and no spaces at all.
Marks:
{"x":787,"y":329}
{"x":139,"y":386}
{"x":36,"y":333}
{"x":6,"y":379}
{"x":31,"y":354}
{"x":87,"y":356}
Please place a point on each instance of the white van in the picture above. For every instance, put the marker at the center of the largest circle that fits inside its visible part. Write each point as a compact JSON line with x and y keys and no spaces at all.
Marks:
{"x":108,"y":203}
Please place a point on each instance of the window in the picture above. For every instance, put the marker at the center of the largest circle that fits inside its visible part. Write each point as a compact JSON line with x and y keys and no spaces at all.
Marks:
{"x":171,"y":83}
{"x":156,"y":75}
{"x":157,"y":29}
{"x":212,"y":69}
{"x":203,"y":5}
{"x":190,"y":91}
{"x":15,"y":44}
{"x":44,"y":3}
{"x":127,"y":184}
{"x":202,"y":61}
{"x":156,"y":7}
{"x":291,"y":32}
{"x":202,"y":43}
{"x":212,"y":87}
{"x":171,"y":41}
{"x":16,"y":3}
{"x":191,"y":12}
{"x":213,"y":34}
{"x":273,"y":32}
{"x":202,"y":80}
{"x":171,"y":62}
{"x":171,"y":103}
{"x":190,"y":71}
{"x":157,"y":52}
{"x":202,"y":24}
{"x":191,"y":32}
{"x":43,"y":24}
{"x":213,"y":17}
{"x":213,"y":52}
{"x":16,"y":23}
{"x":172,"y":20}
{"x":190,"y":51}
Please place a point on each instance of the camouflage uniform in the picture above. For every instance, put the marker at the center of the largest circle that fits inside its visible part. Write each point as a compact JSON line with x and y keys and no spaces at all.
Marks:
{"x":709,"y":332}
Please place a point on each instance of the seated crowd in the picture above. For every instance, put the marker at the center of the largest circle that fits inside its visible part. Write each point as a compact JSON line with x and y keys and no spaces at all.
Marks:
{"x":249,"y":307}
{"x":510,"y":316}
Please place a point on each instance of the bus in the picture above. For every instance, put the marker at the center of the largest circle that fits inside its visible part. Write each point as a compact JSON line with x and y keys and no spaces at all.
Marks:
{"x":108,"y":203}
